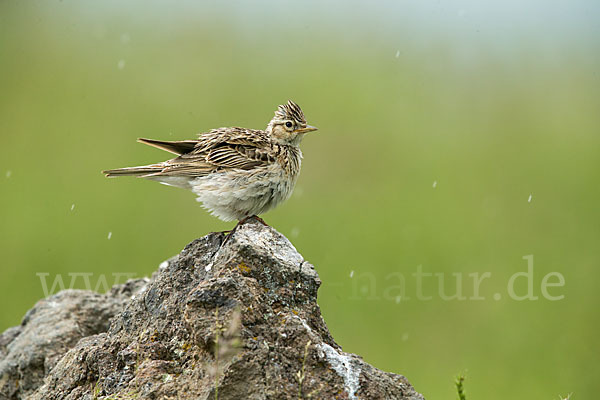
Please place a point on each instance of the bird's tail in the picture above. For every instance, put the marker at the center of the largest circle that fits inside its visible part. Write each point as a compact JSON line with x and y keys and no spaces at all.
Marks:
{"x":140,"y":172}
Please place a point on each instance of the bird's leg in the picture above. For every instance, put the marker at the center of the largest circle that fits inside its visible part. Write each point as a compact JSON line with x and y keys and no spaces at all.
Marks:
{"x":246,"y":219}
{"x":243,"y":220}
{"x":259,"y":219}
{"x":230,"y":232}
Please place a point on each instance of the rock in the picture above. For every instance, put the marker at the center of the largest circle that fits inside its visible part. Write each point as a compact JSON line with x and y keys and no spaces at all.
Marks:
{"x":226,"y":319}
{"x":53,"y":326}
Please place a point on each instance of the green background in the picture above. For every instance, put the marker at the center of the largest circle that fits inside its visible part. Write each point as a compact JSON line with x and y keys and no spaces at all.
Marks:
{"x":494,"y":103}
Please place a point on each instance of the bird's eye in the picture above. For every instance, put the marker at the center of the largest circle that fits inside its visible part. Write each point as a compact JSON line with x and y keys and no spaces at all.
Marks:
{"x":288,"y":124}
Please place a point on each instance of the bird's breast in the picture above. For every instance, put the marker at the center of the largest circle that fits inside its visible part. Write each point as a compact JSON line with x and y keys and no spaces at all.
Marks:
{"x":290,"y":160}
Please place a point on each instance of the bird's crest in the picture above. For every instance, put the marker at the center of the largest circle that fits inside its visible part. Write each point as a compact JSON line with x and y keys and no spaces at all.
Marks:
{"x":292,"y":111}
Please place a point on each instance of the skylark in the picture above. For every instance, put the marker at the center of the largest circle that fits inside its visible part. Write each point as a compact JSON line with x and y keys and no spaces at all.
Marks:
{"x":235,"y":172}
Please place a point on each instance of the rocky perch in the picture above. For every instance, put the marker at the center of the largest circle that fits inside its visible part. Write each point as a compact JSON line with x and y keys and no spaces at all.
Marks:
{"x":235,"y":319}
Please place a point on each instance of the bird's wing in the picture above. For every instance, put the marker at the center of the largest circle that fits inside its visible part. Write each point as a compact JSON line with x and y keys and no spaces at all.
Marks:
{"x":222,"y":149}
{"x":177,"y":147}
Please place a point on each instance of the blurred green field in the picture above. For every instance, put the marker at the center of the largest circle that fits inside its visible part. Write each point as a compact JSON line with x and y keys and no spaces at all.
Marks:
{"x":81,"y":81}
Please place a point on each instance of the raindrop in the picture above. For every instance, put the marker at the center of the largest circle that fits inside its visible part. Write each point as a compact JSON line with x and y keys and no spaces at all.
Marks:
{"x":121,"y":64}
{"x":109,"y":235}
{"x":529,"y":199}
{"x":434,"y":184}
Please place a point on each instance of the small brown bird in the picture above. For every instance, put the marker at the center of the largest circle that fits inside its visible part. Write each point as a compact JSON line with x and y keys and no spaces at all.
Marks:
{"x":235,"y":172}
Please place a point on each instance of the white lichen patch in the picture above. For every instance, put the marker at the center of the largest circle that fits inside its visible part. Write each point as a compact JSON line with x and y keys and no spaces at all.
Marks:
{"x":305,"y":325}
{"x":342,"y":364}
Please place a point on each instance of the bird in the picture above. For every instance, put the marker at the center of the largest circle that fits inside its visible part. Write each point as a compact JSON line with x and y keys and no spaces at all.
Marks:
{"x":236,"y":173}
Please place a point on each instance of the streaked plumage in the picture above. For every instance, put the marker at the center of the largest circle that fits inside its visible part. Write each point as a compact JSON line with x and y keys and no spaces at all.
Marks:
{"x":234,"y":172}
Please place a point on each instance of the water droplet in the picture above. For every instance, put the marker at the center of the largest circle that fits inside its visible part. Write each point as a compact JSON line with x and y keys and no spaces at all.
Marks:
{"x":434,"y":184}
{"x":109,"y":235}
{"x":351,"y":273}
{"x":72,"y":206}
{"x":529,"y":199}
{"x":398,"y":54}
{"x":121,"y":64}
{"x":8,"y":173}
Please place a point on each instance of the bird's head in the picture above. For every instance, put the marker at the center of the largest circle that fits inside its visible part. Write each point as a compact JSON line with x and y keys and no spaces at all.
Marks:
{"x":288,"y":126}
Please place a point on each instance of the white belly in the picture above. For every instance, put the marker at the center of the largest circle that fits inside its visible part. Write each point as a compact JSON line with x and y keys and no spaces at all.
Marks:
{"x":238,"y":194}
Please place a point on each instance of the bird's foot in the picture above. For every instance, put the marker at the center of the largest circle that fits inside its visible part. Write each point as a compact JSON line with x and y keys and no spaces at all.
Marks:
{"x":228,"y":234}
{"x":256,"y":217}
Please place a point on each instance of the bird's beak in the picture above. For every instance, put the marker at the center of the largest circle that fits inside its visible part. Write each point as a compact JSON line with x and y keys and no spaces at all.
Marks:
{"x":307,"y":129}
